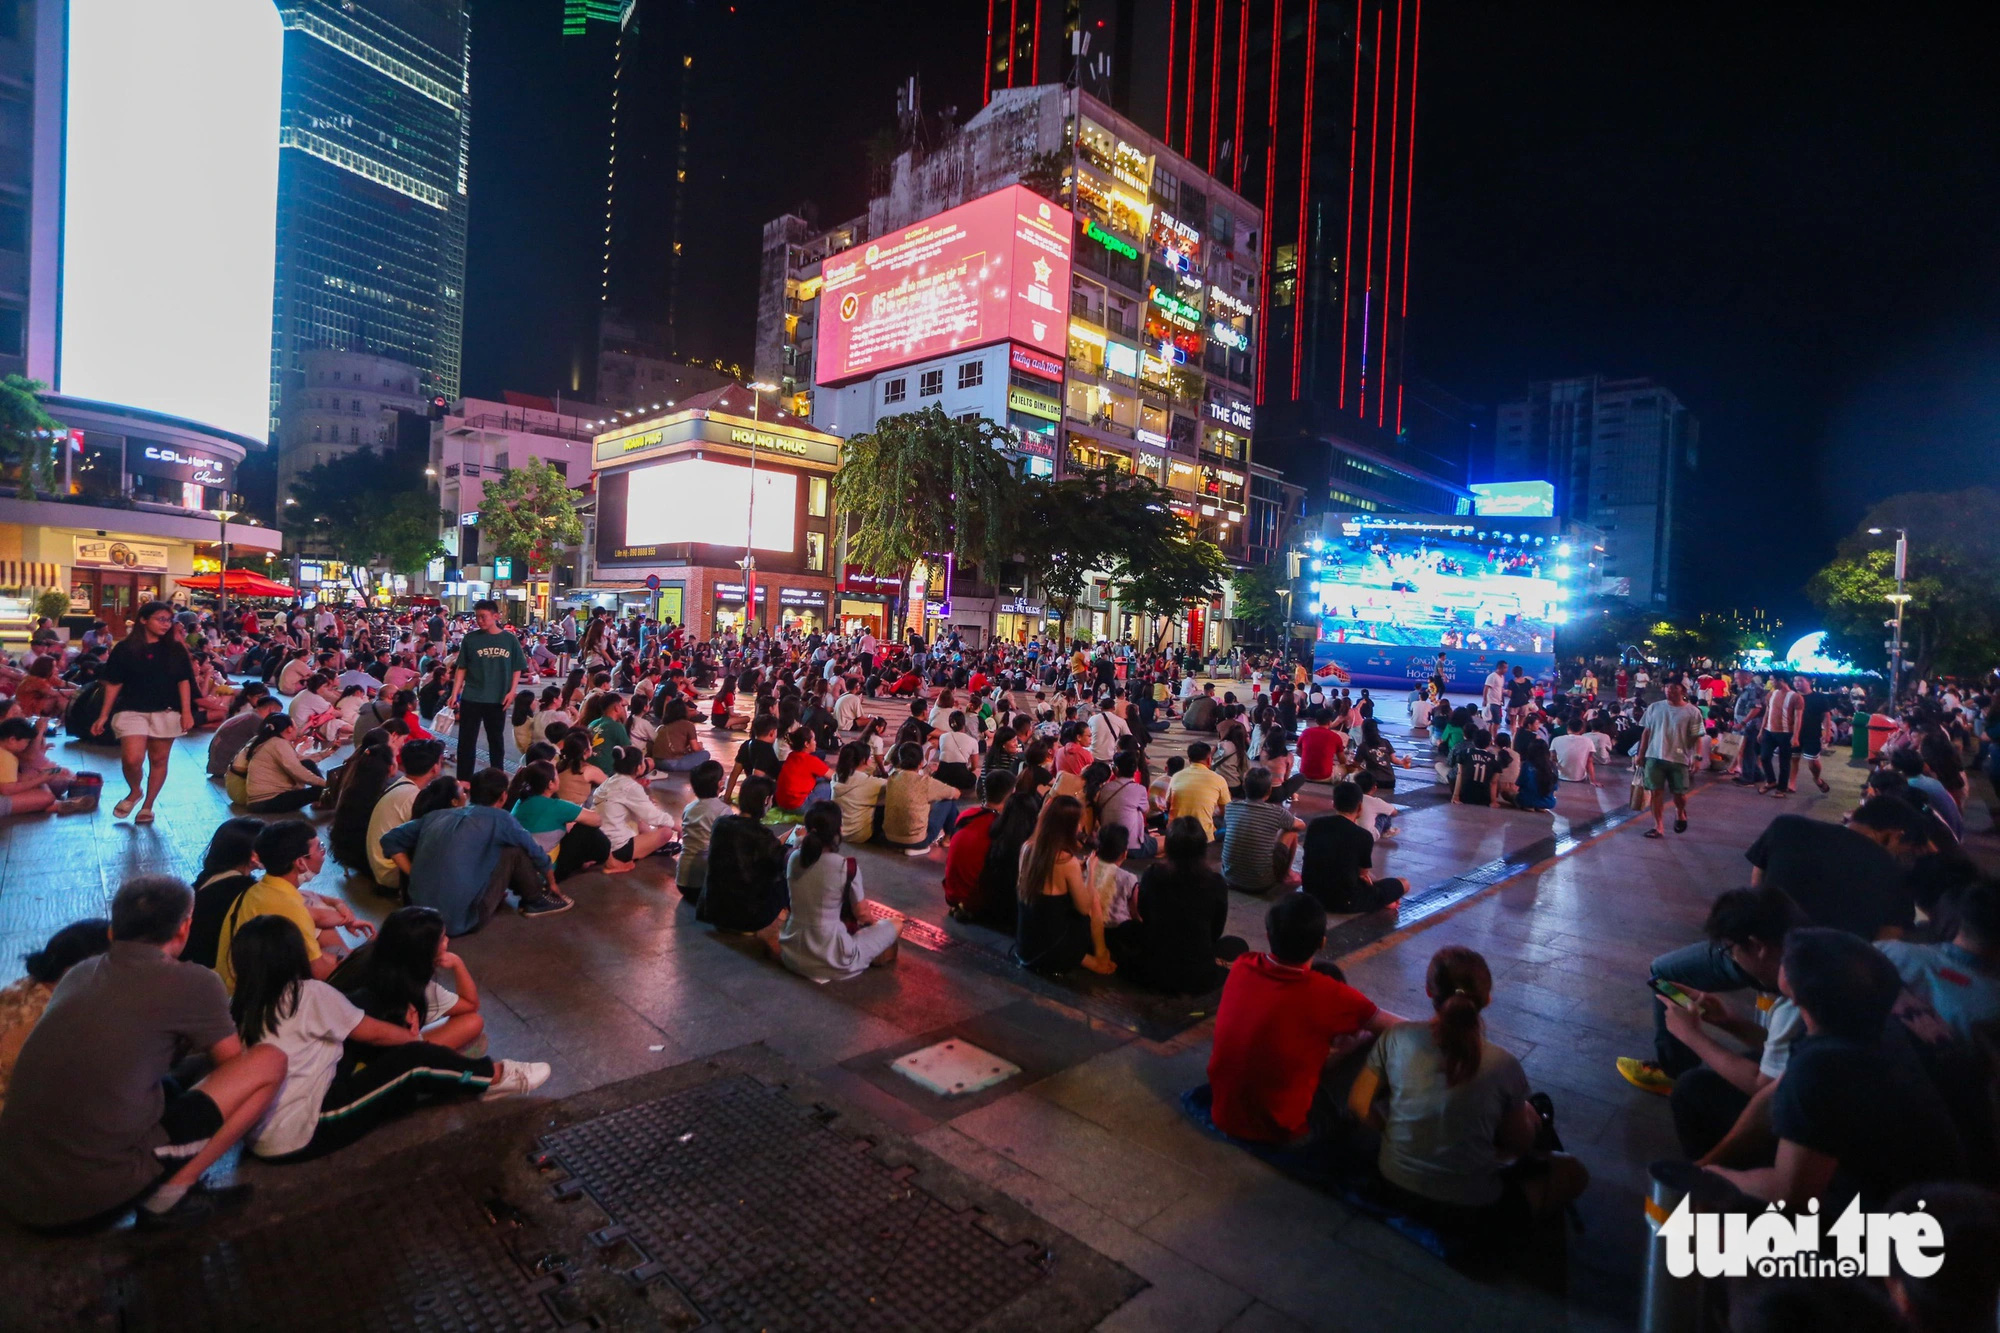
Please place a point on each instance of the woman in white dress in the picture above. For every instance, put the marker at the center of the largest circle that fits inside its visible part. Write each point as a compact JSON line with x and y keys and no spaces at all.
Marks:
{"x":814,"y":941}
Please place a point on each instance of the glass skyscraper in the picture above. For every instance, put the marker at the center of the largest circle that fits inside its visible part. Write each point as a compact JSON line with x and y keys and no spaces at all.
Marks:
{"x":372,"y":187}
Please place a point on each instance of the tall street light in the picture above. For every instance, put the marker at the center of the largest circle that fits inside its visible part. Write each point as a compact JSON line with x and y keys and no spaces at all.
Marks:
{"x":222,"y":516}
{"x":1901,"y":599}
{"x":757,"y":389}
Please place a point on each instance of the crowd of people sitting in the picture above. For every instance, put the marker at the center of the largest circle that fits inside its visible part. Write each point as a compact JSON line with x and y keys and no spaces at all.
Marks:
{"x":1027,"y":774}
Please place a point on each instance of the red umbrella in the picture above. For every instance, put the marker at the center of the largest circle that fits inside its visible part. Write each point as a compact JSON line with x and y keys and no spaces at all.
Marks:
{"x":241,"y":583}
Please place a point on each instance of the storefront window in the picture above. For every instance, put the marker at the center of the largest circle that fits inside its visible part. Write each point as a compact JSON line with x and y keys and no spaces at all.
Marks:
{"x":816,"y":497}
{"x":97,"y":470}
{"x":816,"y":551}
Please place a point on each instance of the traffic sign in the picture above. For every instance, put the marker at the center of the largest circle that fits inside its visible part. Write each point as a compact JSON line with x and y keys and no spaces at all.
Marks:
{"x":652,"y":583}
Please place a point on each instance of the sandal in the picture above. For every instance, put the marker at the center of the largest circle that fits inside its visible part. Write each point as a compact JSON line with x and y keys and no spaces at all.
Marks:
{"x":1680,"y":826}
{"x":1654,"y":833}
{"x":1822,"y":785}
{"x":144,"y":816}
{"x":124,"y":807}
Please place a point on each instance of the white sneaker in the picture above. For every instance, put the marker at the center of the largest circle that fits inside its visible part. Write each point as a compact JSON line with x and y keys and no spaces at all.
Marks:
{"x":517,"y":1078}
{"x":924,"y":850}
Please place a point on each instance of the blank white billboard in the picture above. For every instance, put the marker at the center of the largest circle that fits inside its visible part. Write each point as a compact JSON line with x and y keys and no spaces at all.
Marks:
{"x":170,"y":207}
{"x":701,"y":500}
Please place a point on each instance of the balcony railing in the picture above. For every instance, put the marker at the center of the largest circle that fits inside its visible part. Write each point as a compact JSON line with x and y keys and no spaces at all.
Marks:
{"x":529,"y":426}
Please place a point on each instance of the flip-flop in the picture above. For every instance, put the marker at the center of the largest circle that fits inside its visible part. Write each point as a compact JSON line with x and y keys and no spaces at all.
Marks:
{"x":1654,"y":833}
{"x":1680,"y":826}
{"x":143,"y":817}
{"x":125,"y":807}
{"x":1822,"y":784}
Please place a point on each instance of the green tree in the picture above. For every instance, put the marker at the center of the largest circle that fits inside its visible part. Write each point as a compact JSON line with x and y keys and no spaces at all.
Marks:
{"x":530,"y":515}
{"x":1259,"y":607}
{"x":1171,"y":576}
{"x":923,"y":484}
{"x":26,"y":435}
{"x":1952,"y":621}
{"x":365,"y":509}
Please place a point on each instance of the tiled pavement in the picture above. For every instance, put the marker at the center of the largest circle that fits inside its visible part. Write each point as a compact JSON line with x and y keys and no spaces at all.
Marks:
{"x":1089,"y":1136}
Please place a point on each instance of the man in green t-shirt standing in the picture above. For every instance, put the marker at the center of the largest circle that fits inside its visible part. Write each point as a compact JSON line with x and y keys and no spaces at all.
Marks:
{"x":490,"y":663}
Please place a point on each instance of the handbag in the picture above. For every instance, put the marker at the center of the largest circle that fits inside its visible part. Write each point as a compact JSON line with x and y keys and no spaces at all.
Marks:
{"x":1639,"y":795}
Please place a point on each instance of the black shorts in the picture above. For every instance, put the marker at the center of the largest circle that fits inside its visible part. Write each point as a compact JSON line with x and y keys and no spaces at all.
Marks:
{"x":1809,"y":746}
{"x":190,"y":1119}
{"x":625,"y":853}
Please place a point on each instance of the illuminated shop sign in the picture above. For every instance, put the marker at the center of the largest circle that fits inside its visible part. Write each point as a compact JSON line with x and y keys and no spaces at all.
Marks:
{"x":1230,"y":410}
{"x":1176,"y":310}
{"x":1121,"y":359}
{"x":1034,"y":363}
{"x":1020,"y":400}
{"x":1172,"y":234}
{"x":1232,"y":338}
{"x":1104,"y":238}
{"x":1221,"y":300}
{"x":762,"y":441}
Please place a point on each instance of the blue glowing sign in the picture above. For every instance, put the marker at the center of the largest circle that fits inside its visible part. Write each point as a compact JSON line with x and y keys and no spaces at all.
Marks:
{"x":1513,"y":499}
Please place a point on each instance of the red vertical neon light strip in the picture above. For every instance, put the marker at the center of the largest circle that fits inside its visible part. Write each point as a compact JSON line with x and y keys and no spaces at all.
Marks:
{"x":1013,"y":38}
{"x":1194,"y":45}
{"x":1409,"y":184}
{"x":1214,"y":85}
{"x":1374,"y":161}
{"x":1270,"y":182}
{"x":1173,"y":15}
{"x":1389,"y":235}
{"x":1242,"y":77}
{"x":1035,"y":59}
{"x":986,"y":80}
{"x":1347,"y":253}
{"x":1305,"y":185}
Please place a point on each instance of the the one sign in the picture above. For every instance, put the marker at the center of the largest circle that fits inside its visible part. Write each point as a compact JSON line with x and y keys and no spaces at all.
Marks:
{"x":1032,"y":362}
{"x":110,"y":553}
{"x":1228,"y":409}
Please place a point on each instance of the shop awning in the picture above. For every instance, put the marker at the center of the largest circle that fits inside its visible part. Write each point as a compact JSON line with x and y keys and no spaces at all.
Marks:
{"x":30,"y":574}
{"x":241,"y":583}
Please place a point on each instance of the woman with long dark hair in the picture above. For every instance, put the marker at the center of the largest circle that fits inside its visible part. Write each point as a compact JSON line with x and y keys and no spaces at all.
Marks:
{"x":815,"y":940}
{"x":345,"y":1071}
{"x":148,"y":701}
{"x":228,"y":868}
{"x":366,"y":778}
{"x":393,"y":977}
{"x":746,"y":888}
{"x":275,"y":778}
{"x":1059,"y":922}
{"x":1184,"y":906}
{"x":1459,"y":1132}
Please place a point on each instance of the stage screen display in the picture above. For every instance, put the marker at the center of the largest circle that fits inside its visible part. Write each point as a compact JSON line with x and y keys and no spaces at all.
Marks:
{"x":701,"y":500}
{"x":170,"y":199}
{"x":994,"y":269}
{"x":1513,"y":499}
{"x":1392,"y":594}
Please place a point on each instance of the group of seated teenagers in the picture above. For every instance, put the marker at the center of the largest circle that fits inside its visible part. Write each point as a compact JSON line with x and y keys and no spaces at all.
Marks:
{"x":141,"y":1048}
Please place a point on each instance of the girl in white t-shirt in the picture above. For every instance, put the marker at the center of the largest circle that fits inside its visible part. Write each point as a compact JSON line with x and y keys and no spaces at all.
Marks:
{"x":329,"y":1100}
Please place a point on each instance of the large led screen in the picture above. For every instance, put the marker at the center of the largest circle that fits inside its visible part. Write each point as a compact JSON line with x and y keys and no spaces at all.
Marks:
{"x":994,"y":269}
{"x":170,"y":199}
{"x":701,"y":500}
{"x":1440,"y":584}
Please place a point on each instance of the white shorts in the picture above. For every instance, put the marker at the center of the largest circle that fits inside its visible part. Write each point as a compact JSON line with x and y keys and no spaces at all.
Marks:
{"x":161,"y":726}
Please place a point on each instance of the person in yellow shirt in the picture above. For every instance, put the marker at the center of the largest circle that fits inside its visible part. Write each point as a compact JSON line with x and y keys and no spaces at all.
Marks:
{"x":1198,"y":791}
{"x":291,"y":854}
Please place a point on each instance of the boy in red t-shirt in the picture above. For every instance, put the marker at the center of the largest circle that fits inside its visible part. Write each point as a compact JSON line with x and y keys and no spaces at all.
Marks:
{"x":970,"y":839}
{"x":1279,"y":1021}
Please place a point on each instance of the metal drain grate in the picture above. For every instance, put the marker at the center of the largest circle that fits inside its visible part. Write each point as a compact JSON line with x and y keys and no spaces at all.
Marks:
{"x":425,"y":1259}
{"x":764,"y":1217}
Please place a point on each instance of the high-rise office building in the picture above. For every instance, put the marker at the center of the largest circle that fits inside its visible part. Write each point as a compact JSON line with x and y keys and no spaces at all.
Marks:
{"x":1621,"y":454}
{"x":373,"y":152}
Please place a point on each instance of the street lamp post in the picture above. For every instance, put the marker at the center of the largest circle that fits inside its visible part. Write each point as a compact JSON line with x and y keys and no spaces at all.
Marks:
{"x":1901,"y":600}
{"x":222,"y":516}
{"x":758,"y":389}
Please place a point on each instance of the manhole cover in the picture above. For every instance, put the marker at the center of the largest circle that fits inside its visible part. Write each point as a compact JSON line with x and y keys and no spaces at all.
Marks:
{"x":954,"y":1068}
{"x":768,"y":1217}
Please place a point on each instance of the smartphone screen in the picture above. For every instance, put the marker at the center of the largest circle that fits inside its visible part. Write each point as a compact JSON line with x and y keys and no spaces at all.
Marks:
{"x":1674,"y":994}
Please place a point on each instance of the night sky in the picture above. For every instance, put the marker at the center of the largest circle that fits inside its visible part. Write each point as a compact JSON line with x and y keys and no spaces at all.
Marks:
{"x":1789,"y":218}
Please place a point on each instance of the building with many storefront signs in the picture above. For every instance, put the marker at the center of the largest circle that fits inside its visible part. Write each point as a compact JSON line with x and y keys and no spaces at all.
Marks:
{"x":680,"y":494}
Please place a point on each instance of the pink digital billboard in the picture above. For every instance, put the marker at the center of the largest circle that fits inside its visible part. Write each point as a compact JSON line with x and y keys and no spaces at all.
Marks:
{"x":986,"y":272}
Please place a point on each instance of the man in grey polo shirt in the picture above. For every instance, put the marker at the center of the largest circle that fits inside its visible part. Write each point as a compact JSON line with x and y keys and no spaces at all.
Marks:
{"x":92,"y":1124}
{"x":1258,"y":838}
